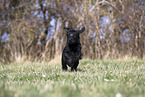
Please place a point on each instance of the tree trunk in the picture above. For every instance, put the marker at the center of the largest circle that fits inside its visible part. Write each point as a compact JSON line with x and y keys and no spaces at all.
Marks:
{"x":140,"y":45}
{"x":57,"y":38}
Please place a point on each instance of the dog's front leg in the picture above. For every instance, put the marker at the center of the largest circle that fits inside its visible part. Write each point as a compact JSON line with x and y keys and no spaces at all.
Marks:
{"x":75,"y":65}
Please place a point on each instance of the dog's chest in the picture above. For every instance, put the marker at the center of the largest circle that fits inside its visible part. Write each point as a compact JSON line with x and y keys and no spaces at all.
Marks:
{"x":73,"y":52}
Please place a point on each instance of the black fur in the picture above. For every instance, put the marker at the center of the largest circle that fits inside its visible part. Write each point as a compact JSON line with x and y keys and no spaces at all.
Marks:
{"x":72,"y":51}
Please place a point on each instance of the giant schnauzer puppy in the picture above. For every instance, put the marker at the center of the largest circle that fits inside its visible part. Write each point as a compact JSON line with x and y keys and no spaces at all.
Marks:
{"x":72,"y":51}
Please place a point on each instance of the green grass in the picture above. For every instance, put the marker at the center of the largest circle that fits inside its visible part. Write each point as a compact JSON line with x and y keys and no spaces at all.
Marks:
{"x":95,"y":78}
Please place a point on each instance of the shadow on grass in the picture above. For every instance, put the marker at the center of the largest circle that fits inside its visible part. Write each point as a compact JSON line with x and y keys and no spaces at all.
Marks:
{"x":80,"y":70}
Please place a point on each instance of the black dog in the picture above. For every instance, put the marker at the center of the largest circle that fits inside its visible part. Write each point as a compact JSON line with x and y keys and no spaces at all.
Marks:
{"x":72,"y":51}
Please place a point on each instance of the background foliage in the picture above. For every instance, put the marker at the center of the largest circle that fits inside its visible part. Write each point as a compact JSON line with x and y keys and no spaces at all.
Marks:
{"x":33,"y":29}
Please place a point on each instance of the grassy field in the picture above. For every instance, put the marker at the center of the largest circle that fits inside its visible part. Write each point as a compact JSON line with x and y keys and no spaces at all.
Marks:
{"x":95,"y":78}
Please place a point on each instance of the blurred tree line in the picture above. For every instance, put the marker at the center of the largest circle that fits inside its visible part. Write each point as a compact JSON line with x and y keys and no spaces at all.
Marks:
{"x":33,"y":29}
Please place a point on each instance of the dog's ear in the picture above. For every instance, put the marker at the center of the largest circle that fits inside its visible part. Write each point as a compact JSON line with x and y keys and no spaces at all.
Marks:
{"x":66,"y":29}
{"x":82,"y":30}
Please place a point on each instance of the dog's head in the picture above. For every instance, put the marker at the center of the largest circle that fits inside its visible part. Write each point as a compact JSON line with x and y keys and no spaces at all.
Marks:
{"x":73,"y":36}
